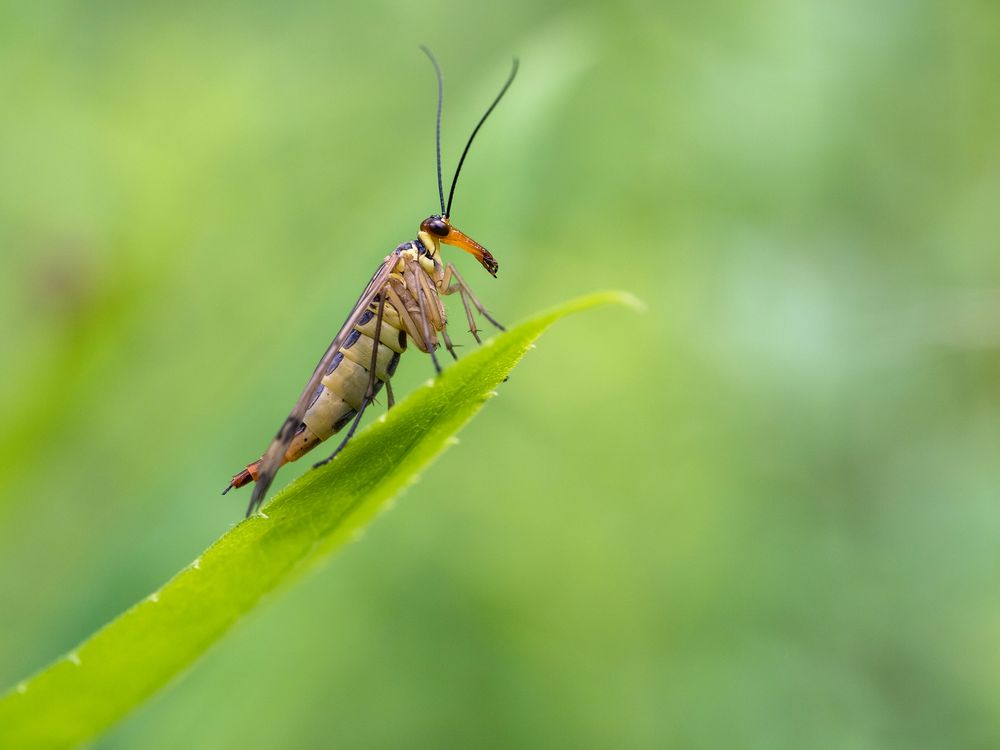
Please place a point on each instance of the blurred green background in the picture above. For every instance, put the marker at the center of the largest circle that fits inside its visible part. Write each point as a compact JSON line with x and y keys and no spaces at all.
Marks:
{"x":762,"y":515}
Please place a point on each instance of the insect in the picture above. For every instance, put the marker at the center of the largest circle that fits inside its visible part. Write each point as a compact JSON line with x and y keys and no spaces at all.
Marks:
{"x":402,"y":303}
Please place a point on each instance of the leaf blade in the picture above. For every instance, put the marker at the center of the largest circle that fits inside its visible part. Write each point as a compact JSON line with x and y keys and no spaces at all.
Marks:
{"x":85,"y":692}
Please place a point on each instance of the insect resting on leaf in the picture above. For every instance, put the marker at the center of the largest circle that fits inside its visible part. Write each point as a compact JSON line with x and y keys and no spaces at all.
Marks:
{"x":401,"y":303}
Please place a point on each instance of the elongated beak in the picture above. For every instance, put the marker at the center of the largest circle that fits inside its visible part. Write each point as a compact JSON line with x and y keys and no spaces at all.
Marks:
{"x":480,"y":253}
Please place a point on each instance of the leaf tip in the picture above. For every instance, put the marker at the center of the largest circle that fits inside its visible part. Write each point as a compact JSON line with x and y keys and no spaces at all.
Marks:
{"x":615,"y":297}
{"x":630,"y":300}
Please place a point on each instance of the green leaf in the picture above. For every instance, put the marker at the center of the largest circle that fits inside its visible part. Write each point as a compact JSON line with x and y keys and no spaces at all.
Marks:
{"x":81,"y":695}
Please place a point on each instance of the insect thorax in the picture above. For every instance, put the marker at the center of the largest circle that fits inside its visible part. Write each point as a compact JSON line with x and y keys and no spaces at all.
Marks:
{"x":427,"y":244}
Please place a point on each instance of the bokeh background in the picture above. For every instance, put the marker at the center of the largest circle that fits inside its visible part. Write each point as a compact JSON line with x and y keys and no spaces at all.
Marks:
{"x":764,"y":514}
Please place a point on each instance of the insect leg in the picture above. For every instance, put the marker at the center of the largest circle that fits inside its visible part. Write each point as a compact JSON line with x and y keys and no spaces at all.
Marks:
{"x":472,"y":298}
{"x":448,"y":345}
{"x":434,"y":359}
{"x":404,"y":316}
{"x":388,"y":393}
{"x":376,"y":343}
{"x":429,"y":300}
{"x":350,"y":434}
{"x":422,"y":303}
{"x":369,"y":390}
{"x":446,"y":287}
{"x":438,"y":315}
{"x":473,"y":328}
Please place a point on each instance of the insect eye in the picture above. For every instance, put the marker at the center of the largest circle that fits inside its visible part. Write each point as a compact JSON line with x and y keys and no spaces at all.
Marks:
{"x":438,"y":227}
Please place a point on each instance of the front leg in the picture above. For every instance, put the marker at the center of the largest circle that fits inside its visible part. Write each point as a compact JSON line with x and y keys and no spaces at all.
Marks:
{"x":467,"y":296}
{"x":413,"y":315}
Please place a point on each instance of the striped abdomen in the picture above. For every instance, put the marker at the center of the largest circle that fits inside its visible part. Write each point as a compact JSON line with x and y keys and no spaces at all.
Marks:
{"x":342,"y":389}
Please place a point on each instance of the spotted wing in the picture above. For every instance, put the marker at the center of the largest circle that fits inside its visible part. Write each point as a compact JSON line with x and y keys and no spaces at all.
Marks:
{"x":273,"y":457}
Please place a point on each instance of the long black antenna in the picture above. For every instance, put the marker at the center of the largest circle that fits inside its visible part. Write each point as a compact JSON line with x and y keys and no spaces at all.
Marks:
{"x":440,"y":78}
{"x":454,"y":180}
